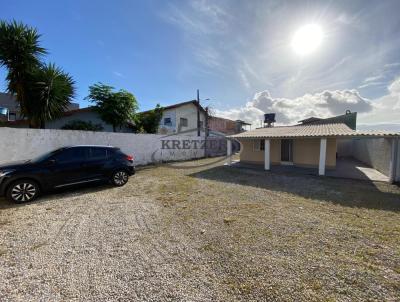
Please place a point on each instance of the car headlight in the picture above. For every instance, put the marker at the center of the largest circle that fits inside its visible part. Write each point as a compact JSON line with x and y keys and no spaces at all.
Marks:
{"x":5,"y":172}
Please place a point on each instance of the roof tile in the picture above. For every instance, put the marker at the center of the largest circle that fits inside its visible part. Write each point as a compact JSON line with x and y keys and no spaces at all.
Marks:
{"x":324,"y":130}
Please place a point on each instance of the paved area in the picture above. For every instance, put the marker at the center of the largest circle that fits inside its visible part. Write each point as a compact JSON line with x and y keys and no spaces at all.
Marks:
{"x":210,"y":233}
{"x":351,"y":168}
{"x":345,"y":168}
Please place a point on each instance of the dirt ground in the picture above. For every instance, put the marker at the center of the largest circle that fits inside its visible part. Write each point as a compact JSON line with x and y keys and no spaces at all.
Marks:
{"x":211,"y":233}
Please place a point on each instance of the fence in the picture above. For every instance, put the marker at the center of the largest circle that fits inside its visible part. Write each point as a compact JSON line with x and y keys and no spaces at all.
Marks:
{"x":20,"y":144}
{"x":375,"y":152}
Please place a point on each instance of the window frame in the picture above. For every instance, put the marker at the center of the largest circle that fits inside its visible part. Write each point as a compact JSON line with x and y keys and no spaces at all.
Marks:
{"x":259,"y":145}
{"x":183,"y":122}
{"x":167,"y":123}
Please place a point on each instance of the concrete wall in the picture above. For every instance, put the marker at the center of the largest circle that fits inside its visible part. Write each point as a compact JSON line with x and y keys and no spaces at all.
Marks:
{"x":345,"y":147}
{"x":305,"y":152}
{"x":397,"y":176}
{"x":20,"y":144}
{"x":375,"y":152}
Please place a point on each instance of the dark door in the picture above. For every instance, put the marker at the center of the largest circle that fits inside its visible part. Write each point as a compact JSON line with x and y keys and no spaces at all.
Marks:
{"x":98,"y":162}
{"x":287,"y":150}
{"x":67,"y":168}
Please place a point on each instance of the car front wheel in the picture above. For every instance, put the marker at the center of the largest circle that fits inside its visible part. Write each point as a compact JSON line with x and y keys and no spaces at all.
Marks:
{"x":22,"y":191}
{"x":120,"y":178}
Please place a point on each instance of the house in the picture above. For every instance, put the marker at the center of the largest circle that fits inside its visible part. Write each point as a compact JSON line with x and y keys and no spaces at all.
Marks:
{"x":349,"y":119}
{"x":87,"y":114}
{"x":306,"y":145}
{"x":226,"y":126}
{"x":183,"y":117}
{"x":10,"y":110}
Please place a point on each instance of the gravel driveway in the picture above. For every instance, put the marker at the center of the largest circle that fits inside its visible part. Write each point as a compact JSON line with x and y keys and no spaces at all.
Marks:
{"x":206,"y":234}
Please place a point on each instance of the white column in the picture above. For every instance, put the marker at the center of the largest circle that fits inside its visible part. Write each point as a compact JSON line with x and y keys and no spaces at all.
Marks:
{"x":322,"y":157}
{"x":267,"y":153}
{"x":229,"y":151}
{"x":393,"y":160}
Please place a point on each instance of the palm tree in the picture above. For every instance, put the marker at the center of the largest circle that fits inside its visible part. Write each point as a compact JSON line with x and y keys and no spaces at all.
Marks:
{"x":50,"y":92}
{"x":20,"y":53}
{"x":42,"y":91}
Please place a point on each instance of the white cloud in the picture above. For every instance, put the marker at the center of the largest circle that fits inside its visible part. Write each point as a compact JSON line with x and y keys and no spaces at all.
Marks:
{"x":243,"y":77}
{"x":289,"y":111}
{"x":323,"y":104}
{"x":369,"y":84}
{"x":118,"y":74}
{"x":374,"y":78}
{"x":386,"y":108}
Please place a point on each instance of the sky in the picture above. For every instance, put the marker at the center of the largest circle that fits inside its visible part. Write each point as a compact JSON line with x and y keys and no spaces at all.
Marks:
{"x":238,"y":53}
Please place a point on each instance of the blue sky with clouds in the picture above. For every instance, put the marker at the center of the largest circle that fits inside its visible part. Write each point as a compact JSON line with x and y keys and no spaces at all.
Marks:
{"x":237,"y":52}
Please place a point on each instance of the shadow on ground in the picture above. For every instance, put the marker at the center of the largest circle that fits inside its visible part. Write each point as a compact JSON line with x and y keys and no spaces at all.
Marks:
{"x":59,"y":193}
{"x":346,"y":192}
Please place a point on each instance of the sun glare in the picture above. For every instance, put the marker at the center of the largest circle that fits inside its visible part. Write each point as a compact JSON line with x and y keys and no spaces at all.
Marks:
{"x":307,"y":39}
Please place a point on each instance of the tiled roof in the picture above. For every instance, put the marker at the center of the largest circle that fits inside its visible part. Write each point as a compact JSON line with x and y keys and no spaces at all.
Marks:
{"x":324,"y":130}
{"x":194,"y":102}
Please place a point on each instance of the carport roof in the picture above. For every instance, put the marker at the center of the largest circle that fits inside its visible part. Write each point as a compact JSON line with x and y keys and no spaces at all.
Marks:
{"x":324,"y":130}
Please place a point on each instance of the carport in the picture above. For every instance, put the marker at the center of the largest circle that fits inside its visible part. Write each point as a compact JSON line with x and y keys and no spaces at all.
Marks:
{"x":312,"y":149}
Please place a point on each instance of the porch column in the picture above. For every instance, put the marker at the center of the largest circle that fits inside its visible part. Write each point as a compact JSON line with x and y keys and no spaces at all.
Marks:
{"x":267,"y":155}
{"x":322,"y":157}
{"x":393,"y":159}
{"x":229,"y":151}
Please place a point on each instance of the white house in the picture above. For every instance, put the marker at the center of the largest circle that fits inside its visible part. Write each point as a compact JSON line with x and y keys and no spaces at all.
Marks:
{"x":182,"y":118}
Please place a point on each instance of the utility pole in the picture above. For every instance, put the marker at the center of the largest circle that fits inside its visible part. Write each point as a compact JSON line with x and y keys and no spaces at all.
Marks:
{"x":198,"y":112}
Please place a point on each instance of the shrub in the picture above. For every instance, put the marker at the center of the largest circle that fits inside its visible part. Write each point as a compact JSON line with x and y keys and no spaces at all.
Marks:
{"x":82,"y":125}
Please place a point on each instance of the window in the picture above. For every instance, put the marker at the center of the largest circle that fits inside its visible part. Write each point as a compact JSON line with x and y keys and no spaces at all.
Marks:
{"x":98,"y":153}
{"x":71,"y":155}
{"x":259,"y":145}
{"x":167,"y":121}
{"x":183,"y":122}
{"x":12,"y":116}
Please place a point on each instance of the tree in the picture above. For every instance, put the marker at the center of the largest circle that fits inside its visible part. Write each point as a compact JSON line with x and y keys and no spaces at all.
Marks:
{"x":82,"y":125}
{"x":42,"y":91}
{"x":149,"y":121}
{"x":114,"y":108}
{"x":20,"y":53}
{"x":50,"y":91}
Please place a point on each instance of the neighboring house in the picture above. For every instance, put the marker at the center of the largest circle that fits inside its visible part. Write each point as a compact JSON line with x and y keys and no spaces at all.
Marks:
{"x":182,"y":117}
{"x":226,"y":126}
{"x":87,"y":114}
{"x":10,"y":111}
{"x":349,"y":119}
{"x":308,"y":145}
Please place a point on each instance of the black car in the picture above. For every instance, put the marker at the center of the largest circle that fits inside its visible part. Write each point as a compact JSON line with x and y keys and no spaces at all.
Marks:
{"x":68,"y":166}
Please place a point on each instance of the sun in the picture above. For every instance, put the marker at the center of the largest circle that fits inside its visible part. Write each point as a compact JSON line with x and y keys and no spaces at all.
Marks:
{"x":307,"y":39}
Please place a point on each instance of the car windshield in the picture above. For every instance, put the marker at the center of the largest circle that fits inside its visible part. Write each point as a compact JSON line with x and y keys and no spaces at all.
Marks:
{"x":45,"y":156}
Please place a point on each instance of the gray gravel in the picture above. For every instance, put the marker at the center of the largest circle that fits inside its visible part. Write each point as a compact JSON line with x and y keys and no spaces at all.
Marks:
{"x":212,"y":235}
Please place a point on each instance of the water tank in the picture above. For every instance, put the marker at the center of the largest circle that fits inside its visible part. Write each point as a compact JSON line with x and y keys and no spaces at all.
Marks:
{"x":269,"y":118}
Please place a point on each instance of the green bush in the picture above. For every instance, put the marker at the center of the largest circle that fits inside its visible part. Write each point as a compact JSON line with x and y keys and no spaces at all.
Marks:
{"x":82,"y":125}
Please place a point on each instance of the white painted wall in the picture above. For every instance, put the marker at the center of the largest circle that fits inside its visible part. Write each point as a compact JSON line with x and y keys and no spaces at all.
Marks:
{"x":188,"y":111}
{"x":20,"y":144}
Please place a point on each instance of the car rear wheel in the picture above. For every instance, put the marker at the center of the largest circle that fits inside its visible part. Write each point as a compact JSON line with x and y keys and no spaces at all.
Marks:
{"x":119,"y":178}
{"x":22,"y":191}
